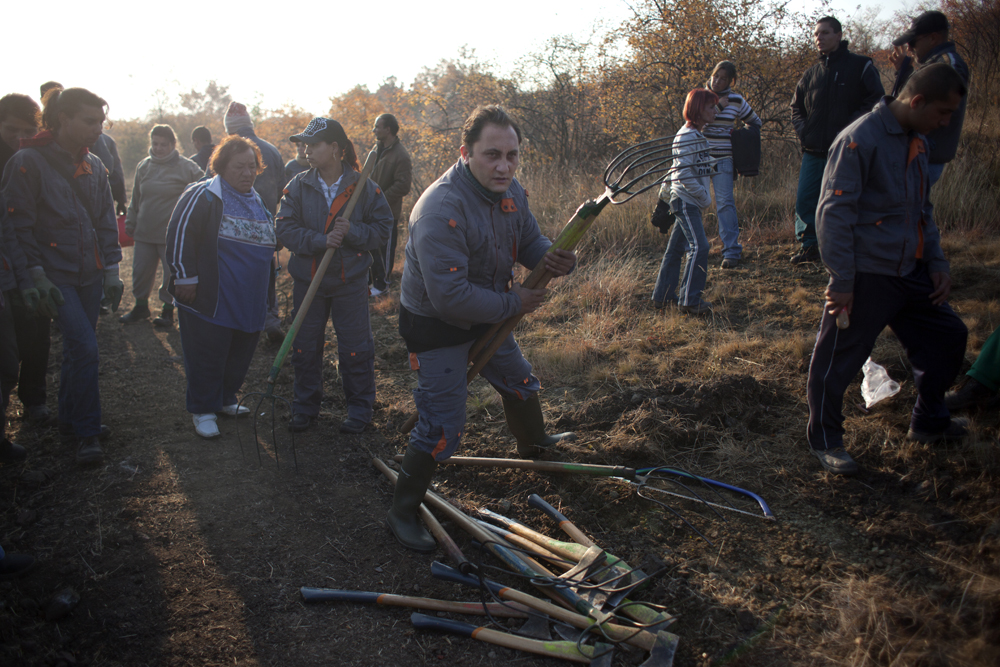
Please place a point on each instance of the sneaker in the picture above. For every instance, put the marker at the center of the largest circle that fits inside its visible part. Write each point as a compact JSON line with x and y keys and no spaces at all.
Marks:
{"x":957,"y":429}
{"x":15,"y":565}
{"x":11,"y":452}
{"x":700,"y":308}
{"x":375,"y":292}
{"x":105,"y":310}
{"x":206,"y":425}
{"x":137,"y":314}
{"x":235,"y":410}
{"x":299,"y":422}
{"x":89,"y":451}
{"x":970,"y":394}
{"x":352,"y":425}
{"x":810,"y":254}
{"x":39,"y":415}
{"x":836,"y":461}
{"x":730,"y":263}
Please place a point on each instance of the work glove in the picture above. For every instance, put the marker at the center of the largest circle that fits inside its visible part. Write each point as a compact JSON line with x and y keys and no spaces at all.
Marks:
{"x":49,"y":296}
{"x":121,"y":208}
{"x":25,"y":299}
{"x":113,"y":287}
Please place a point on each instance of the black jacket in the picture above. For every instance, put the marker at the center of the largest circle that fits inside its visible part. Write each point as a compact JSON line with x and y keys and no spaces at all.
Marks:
{"x":832,"y":94}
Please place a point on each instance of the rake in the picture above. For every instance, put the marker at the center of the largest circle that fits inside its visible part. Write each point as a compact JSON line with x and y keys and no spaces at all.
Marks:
{"x":632,"y":172}
{"x":267,"y":398}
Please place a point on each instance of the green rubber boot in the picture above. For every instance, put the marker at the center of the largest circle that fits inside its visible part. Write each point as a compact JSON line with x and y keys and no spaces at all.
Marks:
{"x":525,"y":421}
{"x":411,"y":485}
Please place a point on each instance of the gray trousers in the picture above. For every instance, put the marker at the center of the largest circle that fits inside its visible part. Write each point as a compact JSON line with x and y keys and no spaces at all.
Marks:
{"x":442,"y":391}
{"x":144,"y":259}
{"x":347,"y":307}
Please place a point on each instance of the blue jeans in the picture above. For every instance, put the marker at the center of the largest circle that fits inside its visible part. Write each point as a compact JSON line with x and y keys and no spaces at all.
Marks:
{"x":686,"y":238}
{"x":79,"y":393}
{"x":807,"y":198}
{"x":725,"y":208}
{"x":216,"y":361}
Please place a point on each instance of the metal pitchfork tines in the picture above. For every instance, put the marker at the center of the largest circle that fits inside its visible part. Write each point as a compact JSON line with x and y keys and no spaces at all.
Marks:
{"x":261,"y":403}
{"x":633,"y":171}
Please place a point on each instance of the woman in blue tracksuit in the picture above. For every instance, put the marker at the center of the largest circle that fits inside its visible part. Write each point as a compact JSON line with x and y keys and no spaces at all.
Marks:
{"x":309,"y":222}
{"x":687,"y":192}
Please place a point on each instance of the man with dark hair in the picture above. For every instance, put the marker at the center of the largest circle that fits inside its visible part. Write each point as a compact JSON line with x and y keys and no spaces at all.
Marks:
{"x":269,"y":185}
{"x":297,"y":164}
{"x":466,"y":232}
{"x":394,"y":175}
{"x":927,"y":43}
{"x":201,"y":138}
{"x":880,"y":245}
{"x":19,"y":120}
{"x":832,"y":94}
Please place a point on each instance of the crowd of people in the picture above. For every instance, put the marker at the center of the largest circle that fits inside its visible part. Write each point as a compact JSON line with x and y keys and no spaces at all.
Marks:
{"x":213,"y":223}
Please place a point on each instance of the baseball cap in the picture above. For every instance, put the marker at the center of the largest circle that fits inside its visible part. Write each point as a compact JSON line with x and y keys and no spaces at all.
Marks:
{"x":320,"y":129}
{"x":924,"y":24}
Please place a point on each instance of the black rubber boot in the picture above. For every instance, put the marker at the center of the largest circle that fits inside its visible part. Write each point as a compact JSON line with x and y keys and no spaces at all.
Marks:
{"x":137,"y":314}
{"x":525,"y":421}
{"x":411,"y":485}
{"x":166,"y":318}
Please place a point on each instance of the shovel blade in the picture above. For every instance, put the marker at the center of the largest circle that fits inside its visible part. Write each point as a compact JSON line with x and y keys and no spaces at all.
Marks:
{"x":663,"y":651}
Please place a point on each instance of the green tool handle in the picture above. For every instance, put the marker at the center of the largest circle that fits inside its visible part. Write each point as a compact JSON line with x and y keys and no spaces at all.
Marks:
{"x":293,"y":330}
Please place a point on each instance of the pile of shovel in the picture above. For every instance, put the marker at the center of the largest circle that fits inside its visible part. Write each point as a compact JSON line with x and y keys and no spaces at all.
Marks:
{"x":590,"y":589}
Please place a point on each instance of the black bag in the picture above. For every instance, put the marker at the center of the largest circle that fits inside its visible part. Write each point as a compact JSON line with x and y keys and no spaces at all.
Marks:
{"x":663,"y":217}
{"x":746,"y":151}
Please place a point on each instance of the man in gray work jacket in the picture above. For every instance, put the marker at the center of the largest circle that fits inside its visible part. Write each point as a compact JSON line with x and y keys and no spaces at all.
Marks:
{"x":882,"y":250}
{"x":466,"y":232}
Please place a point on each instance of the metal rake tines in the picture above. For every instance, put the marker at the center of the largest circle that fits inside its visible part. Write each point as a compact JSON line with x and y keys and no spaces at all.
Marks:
{"x":644,"y":165}
{"x":264,"y":407}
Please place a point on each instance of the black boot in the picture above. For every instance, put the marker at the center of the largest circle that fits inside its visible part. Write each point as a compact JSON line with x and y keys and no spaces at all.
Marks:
{"x":11,"y":452}
{"x":971,"y":394}
{"x":525,"y":421}
{"x":137,"y":314}
{"x":166,"y":318}
{"x":411,"y":485}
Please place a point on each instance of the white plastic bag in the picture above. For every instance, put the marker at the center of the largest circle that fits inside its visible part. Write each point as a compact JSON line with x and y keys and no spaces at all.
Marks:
{"x":877,"y":385}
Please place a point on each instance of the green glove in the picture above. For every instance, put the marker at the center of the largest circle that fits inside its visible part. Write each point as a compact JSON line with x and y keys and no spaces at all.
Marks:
{"x":49,"y":296}
{"x":113,"y":287}
{"x":27,"y":298}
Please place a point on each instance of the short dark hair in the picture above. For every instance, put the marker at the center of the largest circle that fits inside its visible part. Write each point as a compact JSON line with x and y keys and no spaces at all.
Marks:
{"x":202,"y":134}
{"x":47,"y":86}
{"x":20,"y":107}
{"x":727,"y":67}
{"x":69,"y":101}
{"x":935,"y":82}
{"x":493,"y":114}
{"x":164,"y":131}
{"x":390,"y":122}
{"x":834,"y":24}
{"x":232,"y":146}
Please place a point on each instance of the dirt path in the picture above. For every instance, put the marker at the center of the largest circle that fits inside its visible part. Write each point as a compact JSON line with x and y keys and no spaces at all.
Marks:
{"x":185,"y":553}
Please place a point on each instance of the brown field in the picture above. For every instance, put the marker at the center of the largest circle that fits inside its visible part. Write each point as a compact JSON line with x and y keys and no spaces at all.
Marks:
{"x":185,"y":552}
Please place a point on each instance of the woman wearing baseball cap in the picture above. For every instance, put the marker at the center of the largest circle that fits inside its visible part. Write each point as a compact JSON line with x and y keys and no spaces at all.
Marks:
{"x":310,"y":221}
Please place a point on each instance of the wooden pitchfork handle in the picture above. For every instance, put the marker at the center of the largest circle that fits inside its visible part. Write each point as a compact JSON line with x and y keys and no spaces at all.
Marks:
{"x":486,"y":345}
{"x":293,"y":330}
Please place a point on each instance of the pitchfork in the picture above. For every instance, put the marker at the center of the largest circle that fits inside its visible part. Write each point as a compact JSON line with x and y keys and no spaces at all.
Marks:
{"x":268,"y":393}
{"x":632,"y":172}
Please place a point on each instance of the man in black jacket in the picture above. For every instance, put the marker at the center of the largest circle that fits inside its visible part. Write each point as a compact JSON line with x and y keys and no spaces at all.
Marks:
{"x":832,"y":94}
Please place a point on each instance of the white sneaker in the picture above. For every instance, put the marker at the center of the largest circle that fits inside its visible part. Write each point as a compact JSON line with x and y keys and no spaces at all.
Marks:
{"x":206,"y":425}
{"x":235,"y":410}
{"x":375,"y":292}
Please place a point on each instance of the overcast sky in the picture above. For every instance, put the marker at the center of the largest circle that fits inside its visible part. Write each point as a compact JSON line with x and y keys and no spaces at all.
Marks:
{"x":291,"y":51}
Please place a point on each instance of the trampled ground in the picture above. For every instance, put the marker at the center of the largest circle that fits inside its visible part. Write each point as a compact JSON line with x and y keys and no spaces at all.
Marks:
{"x":185,"y":552}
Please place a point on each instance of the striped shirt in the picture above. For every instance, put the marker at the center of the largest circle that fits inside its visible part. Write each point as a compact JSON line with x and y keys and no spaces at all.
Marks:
{"x":718,"y":131}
